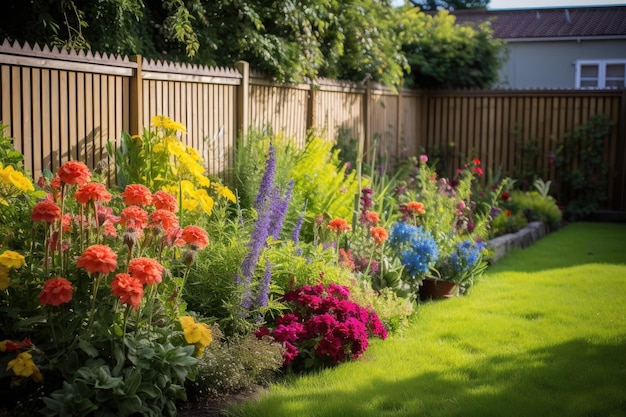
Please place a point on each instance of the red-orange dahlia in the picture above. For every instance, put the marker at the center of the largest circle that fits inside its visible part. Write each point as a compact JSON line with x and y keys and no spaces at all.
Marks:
{"x":128,"y":288}
{"x":379,"y":234}
{"x":137,"y":194}
{"x":195,"y":236}
{"x":98,"y":258}
{"x":92,"y":191}
{"x":134,"y":217}
{"x":163,"y":218}
{"x":74,"y":172}
{"x":339,"y":225}
{"x":372,"y":218}
{"x":415,"y":207}
{"x":164,"y":200}
{"x":47,"y":211}
{"x":147,"y":270}
{"x":56,"y":291}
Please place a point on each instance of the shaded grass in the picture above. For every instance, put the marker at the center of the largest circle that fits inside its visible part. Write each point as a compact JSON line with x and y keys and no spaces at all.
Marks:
{"x":542,"y":334}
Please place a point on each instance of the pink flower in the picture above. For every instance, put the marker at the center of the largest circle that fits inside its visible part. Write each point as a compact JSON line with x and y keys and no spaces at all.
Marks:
{"x":423,"y":158}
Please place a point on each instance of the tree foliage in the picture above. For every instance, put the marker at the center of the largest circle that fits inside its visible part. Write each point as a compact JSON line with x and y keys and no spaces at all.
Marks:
{"x":290,"y":40}
{"x":442,"y":54}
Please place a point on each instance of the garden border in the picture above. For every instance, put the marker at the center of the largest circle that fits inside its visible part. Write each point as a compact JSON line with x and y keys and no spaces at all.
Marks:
{"x":521,"y":239}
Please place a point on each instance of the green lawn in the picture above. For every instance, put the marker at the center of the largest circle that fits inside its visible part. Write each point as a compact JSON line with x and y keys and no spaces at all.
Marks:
{"x":542,"y":334}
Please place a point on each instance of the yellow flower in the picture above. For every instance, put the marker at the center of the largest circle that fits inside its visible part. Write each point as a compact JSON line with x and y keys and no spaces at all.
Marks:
{"x":225,"y":192}
{"x":4,"y":278}
{"x":23,"y":365}
{"x":10,"y":259}
{"x":3,"y":345}
{"x":198,"y":334}
{"x":205,"y":200}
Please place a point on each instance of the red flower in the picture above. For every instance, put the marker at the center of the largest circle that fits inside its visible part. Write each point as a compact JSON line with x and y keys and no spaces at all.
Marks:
{"x":476,"y":161}
{"x":47,"y":211}
{"x":165,"y":201}
{"x":505,"y":196}
{"x":137,"y":194}
{"x":147,"y":270}
{"x":339,"y":225}
{"x":134,"y":217}
{"x":379,"y":234}
{"x":92,"y":191}
{"x":478,"y":171}
{"x":98,"y":258}
{"x":507,"y":213}
{"x":74,"y":172}
{"x":196,"y":236}
{"x":56,"y":291}
{"x":12,"y":346}
{"x":128,"y":288}
{"x":164,"y":219}
{"x":415,"y":207}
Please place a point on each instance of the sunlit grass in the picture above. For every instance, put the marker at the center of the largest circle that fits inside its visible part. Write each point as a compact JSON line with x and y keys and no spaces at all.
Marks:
{"x":542,"y":334}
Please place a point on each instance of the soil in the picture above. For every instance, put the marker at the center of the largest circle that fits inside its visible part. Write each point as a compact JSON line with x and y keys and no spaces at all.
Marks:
{"x":215,"y":407}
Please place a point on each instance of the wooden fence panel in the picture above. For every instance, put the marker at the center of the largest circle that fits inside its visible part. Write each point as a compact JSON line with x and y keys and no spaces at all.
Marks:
{"x":517,"y":132}
{"x":50,"y":99}
{"x":62,"y":105}
{"x":279,"y":108}
{"x":202,"y":99}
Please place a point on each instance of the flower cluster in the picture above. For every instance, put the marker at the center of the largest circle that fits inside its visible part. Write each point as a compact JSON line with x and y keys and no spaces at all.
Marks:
{"x":417,"y":247}
{"x":197,"y":334}
{"x":464,"y":263}
{"x":323,"y":324}
{"x":12,"y":182}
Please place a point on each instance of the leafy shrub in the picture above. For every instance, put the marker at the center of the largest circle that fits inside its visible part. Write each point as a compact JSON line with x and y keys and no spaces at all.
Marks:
{"x":537,"y":207}
{"x":582,"y":168}
{"x":234,"y":364}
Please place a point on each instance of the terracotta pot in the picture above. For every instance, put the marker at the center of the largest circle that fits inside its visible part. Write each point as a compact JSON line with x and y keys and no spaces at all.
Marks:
{"x":432,"y":289}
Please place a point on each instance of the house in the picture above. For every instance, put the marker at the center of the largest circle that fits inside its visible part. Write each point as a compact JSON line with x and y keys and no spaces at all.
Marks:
{"x":581,"y":47}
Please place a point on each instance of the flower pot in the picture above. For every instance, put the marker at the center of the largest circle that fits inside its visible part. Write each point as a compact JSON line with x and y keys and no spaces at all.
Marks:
{"x":432,"y":289}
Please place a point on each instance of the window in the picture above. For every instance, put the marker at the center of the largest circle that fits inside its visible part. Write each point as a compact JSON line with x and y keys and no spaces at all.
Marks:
{"x":608,"y":73}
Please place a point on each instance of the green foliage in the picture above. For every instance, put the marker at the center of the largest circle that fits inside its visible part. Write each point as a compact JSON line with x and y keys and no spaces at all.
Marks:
{"x":442,"y":54}
{"x":537,"y":207}
{"x":153,"y":383}
{"x":582,"y":168}
{"x":323,"y":185}
{"x":508,"y":222}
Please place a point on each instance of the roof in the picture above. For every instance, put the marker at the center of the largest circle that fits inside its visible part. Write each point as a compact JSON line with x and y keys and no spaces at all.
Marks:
{"x":550,"y":22}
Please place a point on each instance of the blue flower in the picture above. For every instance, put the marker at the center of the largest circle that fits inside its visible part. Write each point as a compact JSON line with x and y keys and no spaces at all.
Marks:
{"x":418,"y":249}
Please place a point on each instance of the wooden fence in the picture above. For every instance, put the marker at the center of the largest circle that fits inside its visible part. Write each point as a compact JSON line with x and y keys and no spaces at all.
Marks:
{"x":62,"y":105}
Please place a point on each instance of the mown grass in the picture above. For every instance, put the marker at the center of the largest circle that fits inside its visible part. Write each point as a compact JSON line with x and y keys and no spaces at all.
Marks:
{"x":542,"y":334}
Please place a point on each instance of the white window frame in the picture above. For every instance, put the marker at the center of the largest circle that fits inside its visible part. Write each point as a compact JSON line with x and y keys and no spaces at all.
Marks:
{"x":601,"y":64}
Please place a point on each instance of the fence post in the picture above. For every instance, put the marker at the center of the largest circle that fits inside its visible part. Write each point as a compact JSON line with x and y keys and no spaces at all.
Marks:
{"x":136,"y":98}
{"x":310,"y":113}
{"x":621,"y":145}
{"x":243,"y":98}
{"x":367,"y":125}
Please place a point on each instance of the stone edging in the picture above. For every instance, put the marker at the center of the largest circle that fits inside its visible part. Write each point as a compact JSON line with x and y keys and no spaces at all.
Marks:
{"x":523,"y":238}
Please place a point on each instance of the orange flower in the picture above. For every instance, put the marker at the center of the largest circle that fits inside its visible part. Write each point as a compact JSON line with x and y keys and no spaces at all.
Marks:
{"x":109,"y":230}
{"x":196,"y":236}
{"x":379,"y":234}
{"x":147,"y":270}
{"x":74,"y":172}
{"x":134,"y":217}
{"x":56,"y":291}
{"x":137,"y":194}
{"x":163,"y":218}
{"x":47,"y":211}
{"x":164,"y":200}
{"x":92,"y":191}
{"x":129,"y":289}
{"x":339,"y":225}
{"x":415,"y":207}
{"x":98,"y":258}
{"x":372,"y":218}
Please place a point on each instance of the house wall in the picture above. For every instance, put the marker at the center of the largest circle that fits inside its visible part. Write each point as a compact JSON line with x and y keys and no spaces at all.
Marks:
{"x":551,"y":64}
